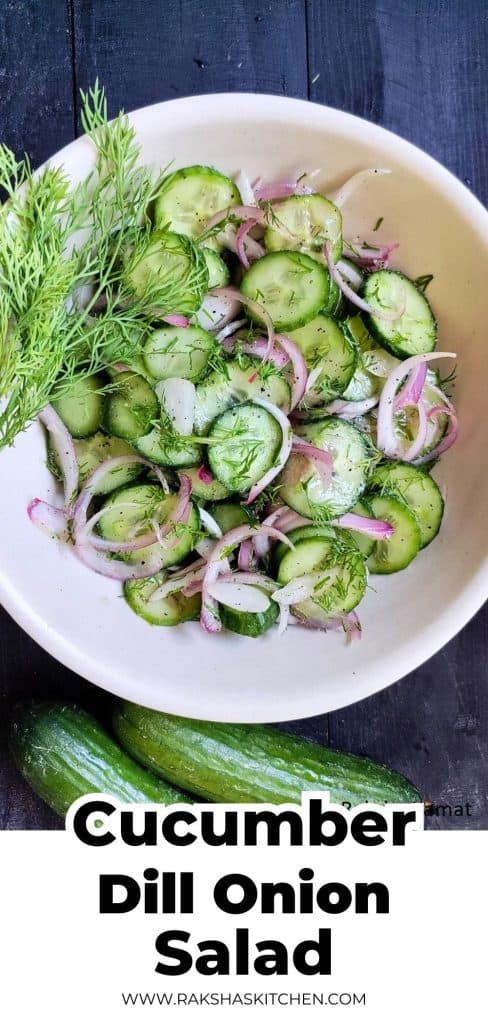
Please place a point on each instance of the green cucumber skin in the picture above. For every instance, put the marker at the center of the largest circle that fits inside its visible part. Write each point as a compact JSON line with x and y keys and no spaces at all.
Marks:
{"x":64,"y":753}
{"x":251,"y":764}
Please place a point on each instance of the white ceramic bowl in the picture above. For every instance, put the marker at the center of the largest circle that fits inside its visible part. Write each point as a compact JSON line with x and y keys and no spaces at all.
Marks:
{"x":82,"y":619}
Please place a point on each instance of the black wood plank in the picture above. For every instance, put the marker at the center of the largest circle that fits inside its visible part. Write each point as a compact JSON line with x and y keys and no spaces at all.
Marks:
{"x":36,"y":95}
{"x":149,"y":50}
{"x":36,"y":106}
{"x":421,"y":70}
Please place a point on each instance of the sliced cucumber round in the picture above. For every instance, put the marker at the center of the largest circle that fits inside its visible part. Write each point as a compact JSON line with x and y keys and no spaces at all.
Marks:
{"x":218,"y":271}
{"x":243,"y":379}
{"x":415,"y":329}
{"x":305,"y":223}
{"x":131,"y":407}
{"x":245,"y":443}
{"x":165,"y":452}
{"x":81,"y":408}
{"x":178,"y":352}
{"x":279,"y":550}
{"x":368,"y":377}
{"x":172,"y":271}
{"x":340,"y":577}
{"x":228,"y":515}
{"x":90,"y":453}
{"x":251,"y":624}
{"x":211,"y":491}
{"x":324,"y":344}
{"x":166,"y":611}
{"x":302,"y":487}
{"x":419,"y":492}
{"x":291,"y":286}
{"x":396,"y":553}
{"x":130,"y":512}
{"x":188,"y":198}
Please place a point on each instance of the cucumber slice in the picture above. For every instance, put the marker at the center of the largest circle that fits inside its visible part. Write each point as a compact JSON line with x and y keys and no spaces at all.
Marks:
{"x":417,"y":490}
{"x":278,"y":552}
{"x":291,"y":286}
{"x":131,"y":407}
{"x":323,"y":343}
{"x":302,"y":487}
{"x":149,"y":504}
{"x":178,"y":352}
{"x":213,"y":491}
{"x":243,"y":379}
{"x":251,"y":624}
{"x":218,"y":271}
{"x":341,"y":577}
{"x":305,"y":223}
{"x":415,"y":331}
{"x":396,"y":553}
{"x":229,"y":515}
{"x":364,"y":383}
{"x":188,"y":198}
{"x":172,"y":271}
{"x":246,"y":441}
{"x":167,"y":611}
{"x":155,"y":448}
{"x":91,"y":452}
{"x":81,"y":409}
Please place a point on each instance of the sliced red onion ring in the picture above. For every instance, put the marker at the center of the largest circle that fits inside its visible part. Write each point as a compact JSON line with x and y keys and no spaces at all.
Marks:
{"x":53,"y":519}
{"x":209,"y":523}
{"x":370,"y":259}
{"x":352,"y":626}
{"x":102,"y":544}
{"x":65,"y":452}
{"x":255,"y":579}
{"x":176,"y":320}
{"x":104,"y":564}
{"x":241,"y":236}
{"x":351,"y":294}
{"x":375,"y":528}
{"x":348,"y":623}
{"x":219,"y":308}
{"x":230,"y":329}
{"x":298,"y":381}
{"x":205,"y":475}
{"x":450,"y":436}
{"x":340,"y":196}
{"x":322,"y":460}
{"x":420,"y":438}
{"x":351,"y":410}
{"x":299,"y":589}
{"x":245,"y":189}
{"x":279,"y":189}
{"x":244,"y":558}
{"x":238,"y":212}
{"x":256,"y":309}
{"x":386,"y":439}
{"x":412,"y":389}
{"x":259,"y":347}
{"x":283,"y":454}
{"x":178,"y":396}
{"x":284,"y":619}
{"x":240,"y":596}
{"x":353,"y":277}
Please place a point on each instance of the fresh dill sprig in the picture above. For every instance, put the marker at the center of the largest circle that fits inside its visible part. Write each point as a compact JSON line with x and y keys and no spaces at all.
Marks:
{"x":60,"y":243}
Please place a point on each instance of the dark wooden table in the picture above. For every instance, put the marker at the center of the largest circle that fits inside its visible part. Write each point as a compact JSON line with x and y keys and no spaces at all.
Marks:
{"x":418,"y":67}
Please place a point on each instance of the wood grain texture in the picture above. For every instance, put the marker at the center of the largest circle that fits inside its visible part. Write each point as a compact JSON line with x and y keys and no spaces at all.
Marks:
{"x":421,"y":69}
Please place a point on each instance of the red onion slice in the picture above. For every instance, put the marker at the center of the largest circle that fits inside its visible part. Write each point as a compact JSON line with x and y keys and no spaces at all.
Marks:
{"x":265,"y":191}
{"x":210,"y":523}
{"x":105,"y":565}
{"x":368,"y":257}
{"x":220,"y":307}
{"x":420,"y":438}
{"x":450,"y":436}
{"x":238,"y":212}
{"x":283,"y":454}
{"x":386,"y":439}
{"x":230,"y":329}
{"x":65,"y":452}
{"x":323,"y":461}
{"x":412,"y":389}
{"x":112,"y":546}
{"x":178,"y":396}
{"x":51,"y":518}
{"x":351,"y":294}
{"x":245,"y":189}
{"x":298,"y":381}
{"x":255,"y":579}
{"x":340,"y":196}
{"x":256,"y":309}
{"x":351,"y":410}
{"x":244,"y":558}
{"x":176,"y":320}
{"x":375,"y":528}
{"x":205,"y":475}
{"x":241,"y":236}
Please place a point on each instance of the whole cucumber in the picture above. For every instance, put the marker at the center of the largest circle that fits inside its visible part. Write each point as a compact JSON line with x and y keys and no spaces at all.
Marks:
{"x":64,"y":753}
{"x":251,"y":763}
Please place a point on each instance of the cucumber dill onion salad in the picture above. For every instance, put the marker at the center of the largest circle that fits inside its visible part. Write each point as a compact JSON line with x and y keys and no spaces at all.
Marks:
{"x":240,"y":404}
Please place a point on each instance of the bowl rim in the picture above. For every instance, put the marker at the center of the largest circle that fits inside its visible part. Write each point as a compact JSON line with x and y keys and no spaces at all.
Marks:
{"x":262,"y":107}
